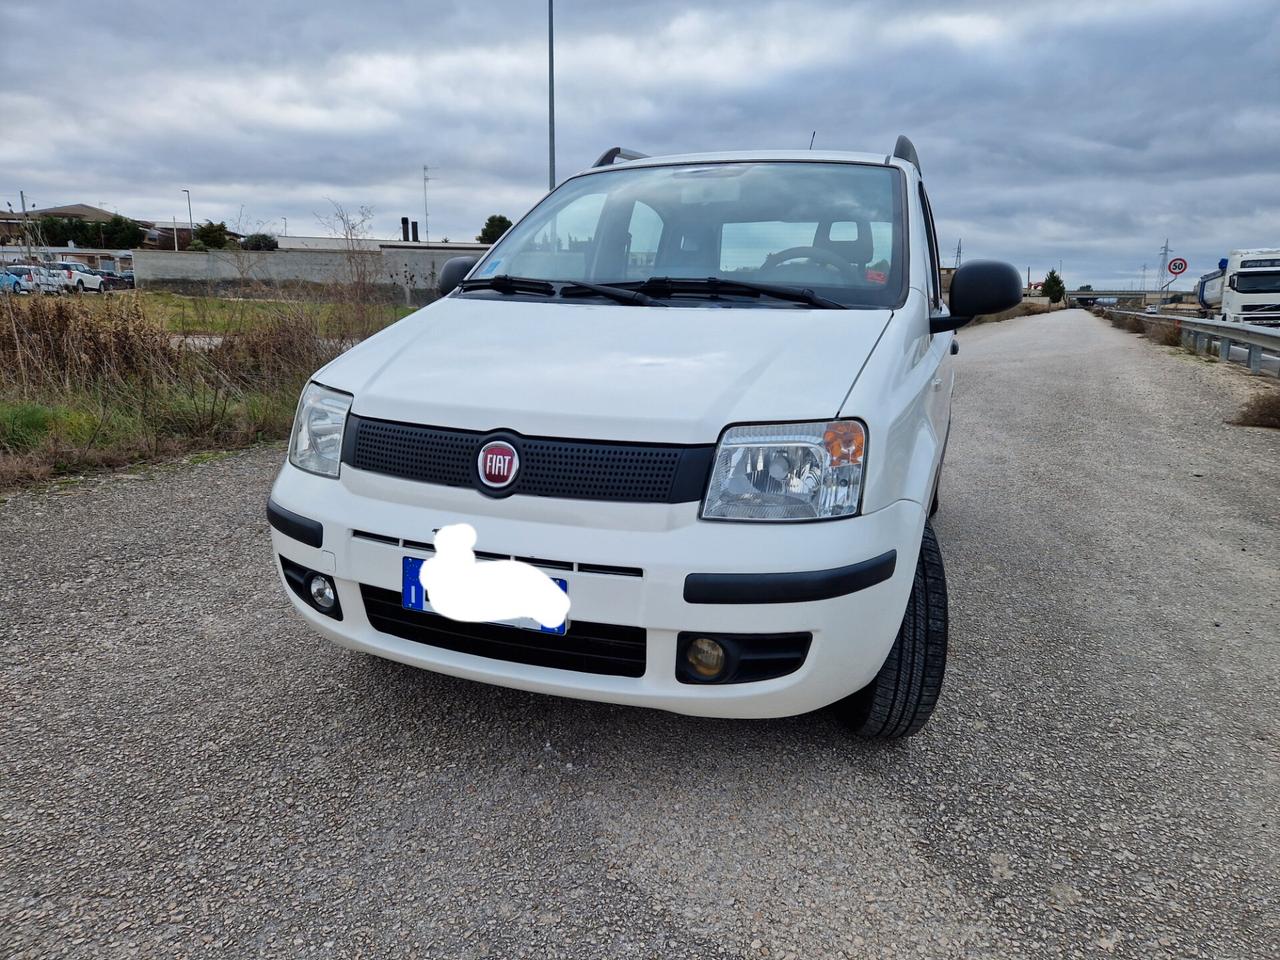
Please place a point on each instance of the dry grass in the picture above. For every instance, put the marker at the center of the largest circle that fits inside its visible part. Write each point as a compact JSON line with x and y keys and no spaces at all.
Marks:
{"x":1165,"y":334}
{"x":1021,"y":310}
{"x":97,"y":382}
{"x":1262,"y":410}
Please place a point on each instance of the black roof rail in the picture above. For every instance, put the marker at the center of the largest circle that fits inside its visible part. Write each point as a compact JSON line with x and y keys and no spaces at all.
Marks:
{"x":614,"y":154}
{"x":904,"y":149}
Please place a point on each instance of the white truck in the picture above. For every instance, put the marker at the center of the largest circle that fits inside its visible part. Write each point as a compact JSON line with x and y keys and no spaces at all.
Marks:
{"x":1244,"y":289}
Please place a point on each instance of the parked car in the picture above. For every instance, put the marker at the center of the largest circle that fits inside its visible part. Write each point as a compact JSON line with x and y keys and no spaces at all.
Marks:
{"x":39,"y":279}
{"x":110,"y":279}
{"x":14,"y":280}
{"x":127,"y":277}
{"x":709,"y":395}
{"x":80,"y":276}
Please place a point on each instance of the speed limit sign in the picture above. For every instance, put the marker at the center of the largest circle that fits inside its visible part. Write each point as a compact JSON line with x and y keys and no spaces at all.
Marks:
{"x":1177,"y":265}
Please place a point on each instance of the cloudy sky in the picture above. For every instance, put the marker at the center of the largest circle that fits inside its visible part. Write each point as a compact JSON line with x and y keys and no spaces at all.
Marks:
{"x":1084,"y":131}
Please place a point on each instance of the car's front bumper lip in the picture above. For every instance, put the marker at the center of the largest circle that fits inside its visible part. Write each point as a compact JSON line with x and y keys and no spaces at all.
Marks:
{"x":793,"y":587}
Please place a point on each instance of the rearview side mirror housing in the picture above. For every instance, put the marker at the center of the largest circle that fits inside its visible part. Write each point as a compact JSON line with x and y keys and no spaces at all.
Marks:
{"x":455,"y":268}
{"x":979,"y":288}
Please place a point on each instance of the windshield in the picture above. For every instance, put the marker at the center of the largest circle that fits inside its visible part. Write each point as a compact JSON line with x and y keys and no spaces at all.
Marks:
{"x":1268,"y":282}
{"x":834,"y":228}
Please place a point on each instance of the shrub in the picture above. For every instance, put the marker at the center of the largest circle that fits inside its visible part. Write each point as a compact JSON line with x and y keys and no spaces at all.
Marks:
{"x":1165,"y":334}
{"x":1262,"y":410}
{"x":260,"y":241}
{"x":94,"y":382}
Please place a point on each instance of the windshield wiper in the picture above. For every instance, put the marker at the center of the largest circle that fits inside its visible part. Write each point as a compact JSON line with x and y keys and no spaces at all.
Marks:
{"x":676,"y":286}
{"x":505,"y":283}
{"x":632,"y":298}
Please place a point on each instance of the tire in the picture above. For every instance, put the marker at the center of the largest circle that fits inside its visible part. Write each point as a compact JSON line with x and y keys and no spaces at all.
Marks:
{"x":79,"y":286}
{"x":901,"y":698}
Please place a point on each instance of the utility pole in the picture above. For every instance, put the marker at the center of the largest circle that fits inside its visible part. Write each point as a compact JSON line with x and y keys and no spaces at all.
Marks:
{"x":551,"y":96}
{"x":191,"y":223}
{"x":284,"y":232}
{"x":1144,"y":284}
{"x":175,"y":234}
{"x":959,"y":244}
{"x":26,"y":232}
{"x":426,"y":221}
{"x":1164,"y":266}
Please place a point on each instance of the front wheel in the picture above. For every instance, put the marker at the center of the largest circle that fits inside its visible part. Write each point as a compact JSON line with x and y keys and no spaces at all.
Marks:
{"x":901,"y":698}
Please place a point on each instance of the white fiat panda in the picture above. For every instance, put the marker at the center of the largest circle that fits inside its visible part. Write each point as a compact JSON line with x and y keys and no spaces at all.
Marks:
{"x":708,"y":395}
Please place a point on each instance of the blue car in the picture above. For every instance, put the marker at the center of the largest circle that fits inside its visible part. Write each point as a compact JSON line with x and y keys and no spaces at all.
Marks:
{"x":14,"y":280}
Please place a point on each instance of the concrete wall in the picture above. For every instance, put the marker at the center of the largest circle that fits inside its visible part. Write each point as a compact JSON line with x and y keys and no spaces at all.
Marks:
{"x":406,"y":270}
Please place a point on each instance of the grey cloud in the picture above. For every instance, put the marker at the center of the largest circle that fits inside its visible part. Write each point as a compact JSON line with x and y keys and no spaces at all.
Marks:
{"x":1086,"y":132}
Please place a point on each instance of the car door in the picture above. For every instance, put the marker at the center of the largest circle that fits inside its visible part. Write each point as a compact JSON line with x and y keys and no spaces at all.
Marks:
{"x":942,"y":382}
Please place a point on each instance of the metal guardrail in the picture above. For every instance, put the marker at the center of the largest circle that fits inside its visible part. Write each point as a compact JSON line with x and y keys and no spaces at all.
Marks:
{"x":1200,"y":335}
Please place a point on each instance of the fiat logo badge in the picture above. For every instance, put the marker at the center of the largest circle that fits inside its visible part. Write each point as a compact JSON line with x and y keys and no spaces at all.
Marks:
{"x":497,"y":464}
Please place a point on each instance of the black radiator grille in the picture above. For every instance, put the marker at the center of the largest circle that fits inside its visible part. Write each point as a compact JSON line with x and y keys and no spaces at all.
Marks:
{"x":549,"y":467}
{"x":600,"y":648}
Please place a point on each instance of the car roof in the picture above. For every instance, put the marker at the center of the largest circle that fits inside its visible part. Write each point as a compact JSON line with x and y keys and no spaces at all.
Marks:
{"x":738,"y":156}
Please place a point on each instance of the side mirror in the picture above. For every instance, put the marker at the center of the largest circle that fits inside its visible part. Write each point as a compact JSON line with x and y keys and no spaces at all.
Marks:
{"x":978,"y":288}
{"x":455,"y":268}
{"x":1231,"y":281}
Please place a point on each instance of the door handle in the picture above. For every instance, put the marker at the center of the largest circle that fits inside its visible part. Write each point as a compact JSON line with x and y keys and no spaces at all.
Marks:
{"x":937,"y":383}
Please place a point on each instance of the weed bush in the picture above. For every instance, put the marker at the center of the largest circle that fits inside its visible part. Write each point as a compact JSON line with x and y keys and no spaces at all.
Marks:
{"x":1262,"y":410}
{"x":88,"y":382}
{"x":1165,"y":334}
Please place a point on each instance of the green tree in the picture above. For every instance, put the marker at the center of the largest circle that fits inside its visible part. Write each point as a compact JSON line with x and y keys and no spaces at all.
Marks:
{"x":1053,"y":287}
{"x":120,"y":233}
{"x":212,"y":235}
{"x":259,"y":241}
{"x":494,"y":228}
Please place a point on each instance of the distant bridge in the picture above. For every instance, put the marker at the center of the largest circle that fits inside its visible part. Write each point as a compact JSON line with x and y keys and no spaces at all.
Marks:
{"x":1155,"y":296}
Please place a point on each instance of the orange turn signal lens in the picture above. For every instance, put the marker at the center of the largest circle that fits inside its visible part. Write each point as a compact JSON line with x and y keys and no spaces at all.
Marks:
{"x":845,"y":441}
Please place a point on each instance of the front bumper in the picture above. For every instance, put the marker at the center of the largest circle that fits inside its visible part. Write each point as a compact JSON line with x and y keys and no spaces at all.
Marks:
{"x":364,"y":518}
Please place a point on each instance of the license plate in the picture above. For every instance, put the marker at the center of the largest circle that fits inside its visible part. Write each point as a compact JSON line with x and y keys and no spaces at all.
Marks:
{"x":413,"y":597}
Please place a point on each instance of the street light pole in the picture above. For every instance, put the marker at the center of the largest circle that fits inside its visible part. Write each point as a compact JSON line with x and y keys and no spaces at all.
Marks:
{"x":551,"y":96}
{"x":191,"y":223}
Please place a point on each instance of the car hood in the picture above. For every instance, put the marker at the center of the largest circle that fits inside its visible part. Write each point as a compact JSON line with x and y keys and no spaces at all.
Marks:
{"x":607,"y":371}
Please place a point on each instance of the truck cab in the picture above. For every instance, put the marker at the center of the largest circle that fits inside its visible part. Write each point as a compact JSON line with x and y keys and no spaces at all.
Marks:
{"x":1244,"y":289}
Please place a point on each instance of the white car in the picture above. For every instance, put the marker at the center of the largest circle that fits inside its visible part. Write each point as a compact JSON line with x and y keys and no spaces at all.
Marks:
{"x":35,"y":278}
{"x":708,"y":395}
{"x":79,"y":277}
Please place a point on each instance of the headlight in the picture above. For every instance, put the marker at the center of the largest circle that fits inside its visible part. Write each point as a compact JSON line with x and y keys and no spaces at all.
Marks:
{"x":316,"y":442}
{"x":787,"y":471}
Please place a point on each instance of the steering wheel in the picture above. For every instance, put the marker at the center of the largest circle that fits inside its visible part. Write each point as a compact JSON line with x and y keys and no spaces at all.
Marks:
{"x":845,"y":268}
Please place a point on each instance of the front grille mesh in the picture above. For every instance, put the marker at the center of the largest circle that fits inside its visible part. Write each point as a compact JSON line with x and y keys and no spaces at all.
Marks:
{"x":570,"y":469}
{"x":600,"y":648}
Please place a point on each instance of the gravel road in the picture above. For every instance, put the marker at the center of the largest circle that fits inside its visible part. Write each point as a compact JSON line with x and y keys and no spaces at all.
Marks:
{"x":186,"y":771}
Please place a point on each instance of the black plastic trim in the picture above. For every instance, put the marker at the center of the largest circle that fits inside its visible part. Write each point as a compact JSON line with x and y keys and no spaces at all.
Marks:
{"x":573,"y":469}
{"x":295,"y":525}
{"x":798,"y":587}
{"x":599,"y":648}
{"x":749,"y":657}
{"x":297,"y":576}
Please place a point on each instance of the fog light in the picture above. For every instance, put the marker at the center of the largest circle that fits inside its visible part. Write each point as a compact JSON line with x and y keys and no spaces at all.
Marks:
{"x":706,"y":658}
{"x":322,"y":592}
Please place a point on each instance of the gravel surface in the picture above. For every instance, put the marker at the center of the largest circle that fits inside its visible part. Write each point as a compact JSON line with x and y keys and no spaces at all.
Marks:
{"x":187,"y":771}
